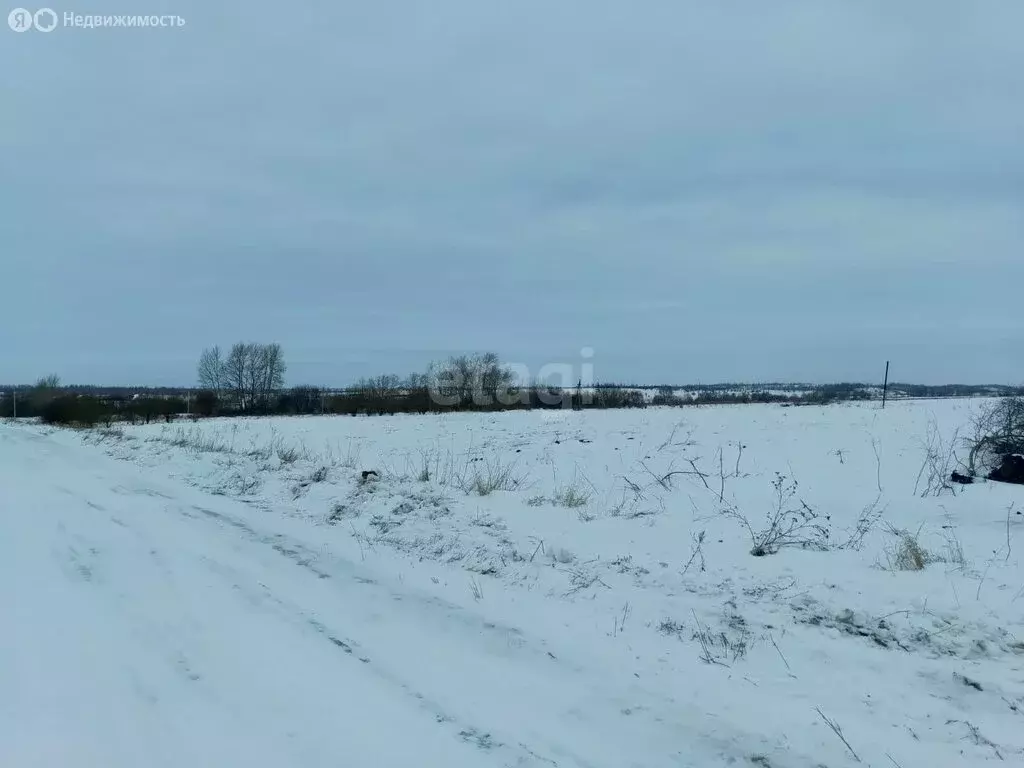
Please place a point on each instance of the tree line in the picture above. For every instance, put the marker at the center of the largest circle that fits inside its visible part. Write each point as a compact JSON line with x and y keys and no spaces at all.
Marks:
{"x":249,"y":379}
{"x":52,"y":403}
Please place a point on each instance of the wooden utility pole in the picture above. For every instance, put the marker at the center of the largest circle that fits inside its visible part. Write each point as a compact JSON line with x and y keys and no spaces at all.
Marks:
{"x":885,"y":386}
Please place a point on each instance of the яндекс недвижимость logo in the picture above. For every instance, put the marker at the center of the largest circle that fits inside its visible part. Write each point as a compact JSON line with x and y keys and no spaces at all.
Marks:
{"x":22,"y":20}
{"x":47,"y":20}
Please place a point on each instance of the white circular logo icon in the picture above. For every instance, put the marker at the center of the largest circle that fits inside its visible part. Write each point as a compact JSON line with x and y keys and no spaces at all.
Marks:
{"x":20,"y":20}
{"x":45,"y":20}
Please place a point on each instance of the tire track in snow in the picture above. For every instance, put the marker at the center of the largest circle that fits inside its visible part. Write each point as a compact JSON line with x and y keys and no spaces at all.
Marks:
{"x":581,"y":714}
{"x":142,"y":616}
{"x":519,"y":755}
{"x":442,"y":616}
{"x":81,"y":558}
{"x":306,"y":558}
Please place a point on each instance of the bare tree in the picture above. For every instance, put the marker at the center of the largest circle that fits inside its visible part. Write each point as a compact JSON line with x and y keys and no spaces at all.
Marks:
{"x":254,"y":373}
{"x":479,"y":379}
{"x":271,"y":365}
{"x":417,"y":381}
{"x":493,"y":378}
{"x":380,"y":387}
{"x":251,"y":373}
{"x":236,"y":374}
{"x":49,"y":382}
{"x":46,"y":389}
{"x":211,"y":370}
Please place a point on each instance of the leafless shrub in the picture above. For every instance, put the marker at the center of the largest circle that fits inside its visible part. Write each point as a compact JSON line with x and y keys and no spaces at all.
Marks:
{"x":288,"y":455}
{"x":790,"y":522}
{"x":494,"y":475}
{"x":939,"y":461}
{"x":697,"y":473}
{"x":672,"y":442}
{"x":664,"y":480}
{"x":636,"y":510}
{"x":722,"y":475}
{"x":866,"y":521}
{"x":998,"y":430}
{"x":245,"y":485}
{"x":574,"y":495}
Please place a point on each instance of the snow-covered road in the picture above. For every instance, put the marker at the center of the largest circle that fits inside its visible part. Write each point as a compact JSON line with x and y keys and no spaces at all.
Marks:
{"x":148,"y":623}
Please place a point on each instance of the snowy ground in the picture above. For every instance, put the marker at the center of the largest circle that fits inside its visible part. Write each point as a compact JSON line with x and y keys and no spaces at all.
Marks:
{"x":234,"y":593}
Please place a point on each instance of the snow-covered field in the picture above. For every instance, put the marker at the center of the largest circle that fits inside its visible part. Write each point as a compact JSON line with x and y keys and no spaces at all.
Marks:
{"x":521,"y":589}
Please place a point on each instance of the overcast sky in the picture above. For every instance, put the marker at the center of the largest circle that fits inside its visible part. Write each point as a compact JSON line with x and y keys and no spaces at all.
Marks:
{"x":698,"y":191}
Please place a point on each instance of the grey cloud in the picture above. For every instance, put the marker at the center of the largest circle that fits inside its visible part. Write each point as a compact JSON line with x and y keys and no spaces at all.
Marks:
{"x":699,"y":191}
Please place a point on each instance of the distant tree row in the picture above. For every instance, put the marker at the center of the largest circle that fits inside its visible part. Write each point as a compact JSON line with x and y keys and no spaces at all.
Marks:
{"x":48,"y":401}
{"x":821,"y":395}
{"x":248,"y":381}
